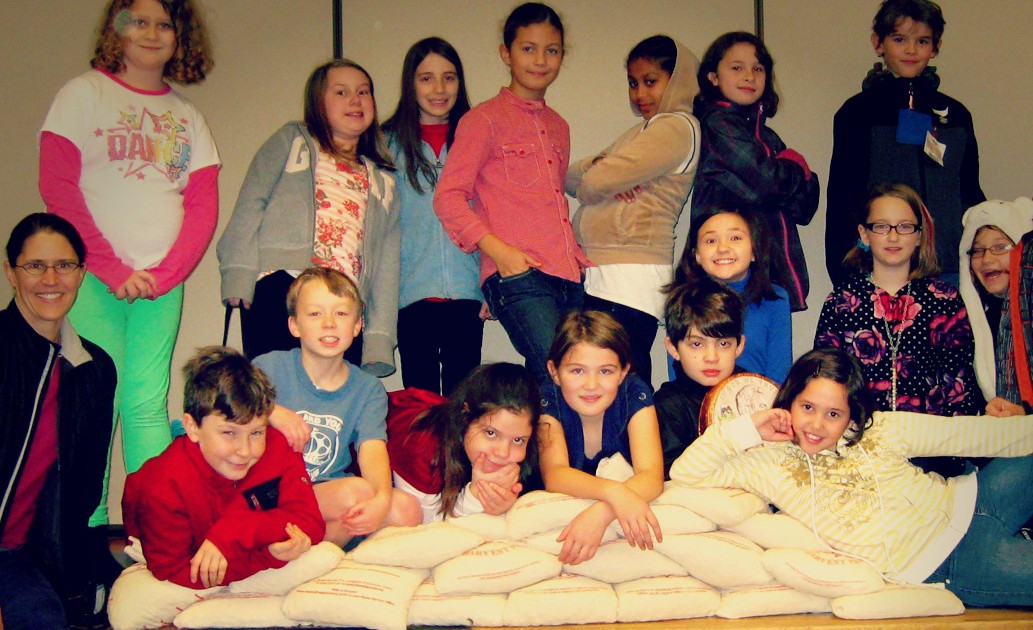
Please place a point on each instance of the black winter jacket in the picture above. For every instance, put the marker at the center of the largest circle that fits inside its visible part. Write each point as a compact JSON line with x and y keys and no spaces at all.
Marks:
{"x":865,"y":151}
{"x":59,"y":537}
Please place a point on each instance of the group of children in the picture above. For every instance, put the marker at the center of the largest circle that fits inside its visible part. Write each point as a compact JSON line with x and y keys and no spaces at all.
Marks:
{"x":344,"y":241}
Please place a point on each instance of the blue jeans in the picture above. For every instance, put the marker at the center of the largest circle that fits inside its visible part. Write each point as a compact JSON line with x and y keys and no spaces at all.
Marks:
{"x":641,"y":328}
{"x":530,"y":306}
{"x":27,"y":600}
{"x":991,"y":566}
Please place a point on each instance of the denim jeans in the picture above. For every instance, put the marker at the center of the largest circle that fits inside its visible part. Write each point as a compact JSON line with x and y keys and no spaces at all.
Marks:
{"x":27,"y":600}
{"x":991,"y":566}
{"x":530,"y":306}
{"x":641,"y":328}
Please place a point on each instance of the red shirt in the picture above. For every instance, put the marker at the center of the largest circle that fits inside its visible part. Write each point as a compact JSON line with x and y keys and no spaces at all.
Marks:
{"x":510,"y":157}
{"x":42,"y":455}
{"x":176,"y":501}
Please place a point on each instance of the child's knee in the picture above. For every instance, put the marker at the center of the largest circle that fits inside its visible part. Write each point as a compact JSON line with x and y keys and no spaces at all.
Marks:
{"x":406,"y":509}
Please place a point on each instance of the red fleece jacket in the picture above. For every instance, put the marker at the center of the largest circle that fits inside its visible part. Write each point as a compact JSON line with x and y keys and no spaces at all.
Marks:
{"x":176,"y":500}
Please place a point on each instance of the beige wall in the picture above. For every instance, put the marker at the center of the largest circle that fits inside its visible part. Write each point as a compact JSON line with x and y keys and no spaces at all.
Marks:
{"x":265,"y":49}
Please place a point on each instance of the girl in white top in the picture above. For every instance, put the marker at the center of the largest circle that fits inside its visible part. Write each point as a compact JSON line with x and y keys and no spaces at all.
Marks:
{"x":821,"y":456}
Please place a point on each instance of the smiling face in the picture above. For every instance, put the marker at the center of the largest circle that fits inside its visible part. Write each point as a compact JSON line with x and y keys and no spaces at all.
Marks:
{"x":325,"y":323}
{"x":589,"y":377}
{"x":148,"y":41}
{"x":501,"y":436}
{"x":891,"y":251}
{"x":724,"y":248}
{"x":740,"y":77}
{"x":44,"y":300}
{"x":349,"y":105}
{"x":231,"y":449}
{"x":437,"y":86}
{"x":908,"y":49}
{"x":705,"y":360}
{"x":646,"y":84}
{"x":991,"y":270}
{"x":821,"y":414}
{"x":534,"y":59}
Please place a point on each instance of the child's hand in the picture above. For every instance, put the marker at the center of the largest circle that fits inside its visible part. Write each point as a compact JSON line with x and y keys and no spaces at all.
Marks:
{"x":235,"y":302}
{"x":1001,"y":408}
{"x":292,"y":426}
{"x":296,"y":544}
{"x":495,"y":499}
{"x":582,"y":537}
{"x":366,"y":517}
{"x":507,"y":476}
{"x":485,"y":313}
{"x":509,"y":259}
{"x":139,"y":285}
{"x":209,"y":564}
{"x":628,"y":196}
{"x":774,"y":425}
{"x":635,"y":517}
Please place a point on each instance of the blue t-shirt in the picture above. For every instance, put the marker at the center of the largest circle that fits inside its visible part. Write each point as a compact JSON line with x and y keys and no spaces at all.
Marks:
{"x":632,"y":396}
{"x":347,"y":416}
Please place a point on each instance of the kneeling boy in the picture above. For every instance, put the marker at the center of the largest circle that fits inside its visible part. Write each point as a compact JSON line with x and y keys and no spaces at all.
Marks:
{"x":704,"y":323}
{"x":228,"y":499}
{"x":343,"y":407}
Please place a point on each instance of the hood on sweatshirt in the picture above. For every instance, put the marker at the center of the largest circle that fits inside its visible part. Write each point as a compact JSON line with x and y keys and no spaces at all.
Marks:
{"x":682,"y":88}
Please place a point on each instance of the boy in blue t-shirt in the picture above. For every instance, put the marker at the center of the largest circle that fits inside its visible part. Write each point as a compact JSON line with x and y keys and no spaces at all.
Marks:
{"x":704,"y":321}
{"x":900,"y":128}
{"x":327,"y":406}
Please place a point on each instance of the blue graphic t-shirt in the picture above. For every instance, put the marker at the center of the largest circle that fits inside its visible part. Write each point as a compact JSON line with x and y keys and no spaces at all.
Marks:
{"x":348,"y":416}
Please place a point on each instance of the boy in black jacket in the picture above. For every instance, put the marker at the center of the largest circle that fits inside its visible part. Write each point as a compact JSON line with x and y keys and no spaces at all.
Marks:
{"x":704,"y":321}
{"x":901,"y":128}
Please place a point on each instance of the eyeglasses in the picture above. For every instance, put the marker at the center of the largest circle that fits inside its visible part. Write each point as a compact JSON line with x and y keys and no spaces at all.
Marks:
{"x":901,"y":228}
{"x":63,"y":268}
{"x":996,"y":250}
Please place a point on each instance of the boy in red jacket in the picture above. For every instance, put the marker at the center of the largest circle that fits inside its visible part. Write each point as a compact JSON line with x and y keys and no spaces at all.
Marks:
{"x":229,"y":498}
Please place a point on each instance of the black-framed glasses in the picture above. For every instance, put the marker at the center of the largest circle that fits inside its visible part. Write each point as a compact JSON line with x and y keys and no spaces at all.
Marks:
{"x":905,"y":228}
{"x":996,"y":250}
{"x":63,"y":268}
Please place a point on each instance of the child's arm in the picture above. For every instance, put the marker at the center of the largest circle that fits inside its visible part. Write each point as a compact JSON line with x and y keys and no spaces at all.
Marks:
{"x":292,"y":426}
{"x":829,"y":332}
{"x":237,"y":248}
{"x":367,"y":516}
{"x":200,"y":216}
{"x":253,"y":530}
{"x":381,"y":312}
{"x":455,"y":190}
{"x":779,"y":344}
{"x":60,"y":165}
{"x":925,"y":435}
{"x":665,"y":144}
{"x":848,"y":181}
{"x":628,"y":501}
{"x":715,"y":459}
{"x":744,"y":167}
{"x":956,"y":391}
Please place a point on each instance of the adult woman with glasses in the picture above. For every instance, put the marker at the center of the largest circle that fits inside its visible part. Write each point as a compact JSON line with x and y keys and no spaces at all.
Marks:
{"x":56,"y":393}
{"x":906,"y":326}
{"x":991,"y":231}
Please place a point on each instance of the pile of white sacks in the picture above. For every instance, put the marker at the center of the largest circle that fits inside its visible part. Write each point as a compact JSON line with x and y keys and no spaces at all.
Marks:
{"x":723,"y":554}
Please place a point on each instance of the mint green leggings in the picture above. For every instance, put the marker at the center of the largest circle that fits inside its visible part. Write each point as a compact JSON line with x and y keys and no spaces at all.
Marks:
{"x":140,"y":338}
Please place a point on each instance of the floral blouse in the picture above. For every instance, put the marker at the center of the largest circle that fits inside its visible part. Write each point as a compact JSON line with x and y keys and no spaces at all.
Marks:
{"x":341,"y":192}
{"x":927,"y":323}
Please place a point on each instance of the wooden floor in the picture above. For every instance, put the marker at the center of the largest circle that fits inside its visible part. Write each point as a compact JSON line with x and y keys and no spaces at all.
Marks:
{"x":973,"y":619}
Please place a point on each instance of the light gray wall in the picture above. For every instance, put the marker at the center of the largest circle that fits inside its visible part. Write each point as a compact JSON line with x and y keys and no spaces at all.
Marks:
{"x":266,"y":48}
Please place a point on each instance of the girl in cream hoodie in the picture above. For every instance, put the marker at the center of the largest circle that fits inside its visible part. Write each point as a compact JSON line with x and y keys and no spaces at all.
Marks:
{"x":632,"y":193}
